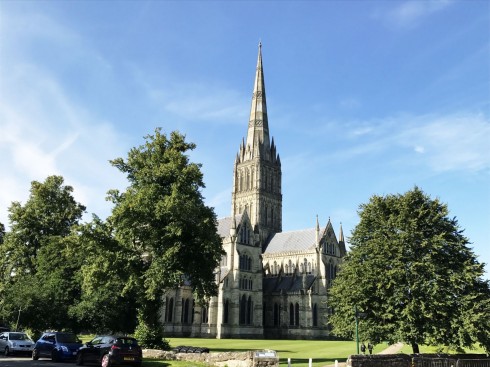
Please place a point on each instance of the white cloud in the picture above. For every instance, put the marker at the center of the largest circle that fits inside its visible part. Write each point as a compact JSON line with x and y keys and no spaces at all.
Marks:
{"x":410,"y":13}
{"x":450,"y":143}
{"x":200,"y":102}
{"x":44,"y":130}
{"x":453,"y":142}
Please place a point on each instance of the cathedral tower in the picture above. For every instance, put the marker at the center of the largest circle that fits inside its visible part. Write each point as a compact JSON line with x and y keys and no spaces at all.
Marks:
{"x":257,"y":168}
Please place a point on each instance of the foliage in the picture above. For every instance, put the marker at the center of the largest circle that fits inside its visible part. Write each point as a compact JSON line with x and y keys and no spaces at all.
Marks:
{"x":162,"y":218}
{"x":411,"y":273}
{"x":2,"y":232}
{"x":162,"y":215}
{"x":37,"y":271}
{"x":108,"y":290}
{"x":150,"y":335}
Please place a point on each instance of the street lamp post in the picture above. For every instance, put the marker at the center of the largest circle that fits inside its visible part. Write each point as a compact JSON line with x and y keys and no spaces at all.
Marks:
{"x":357,"y":329}
{"x":358,"y":315}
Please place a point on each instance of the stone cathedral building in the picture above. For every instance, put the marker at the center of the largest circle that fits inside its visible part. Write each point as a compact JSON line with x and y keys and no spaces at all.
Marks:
{"x":272,"y":284}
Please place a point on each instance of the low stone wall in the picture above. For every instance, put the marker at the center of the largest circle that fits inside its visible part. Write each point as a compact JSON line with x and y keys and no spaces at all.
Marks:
{"x":230,"y":359}
{"x":377,"y":360}
{"x":403,"y":360}
{"x":220,"y":359}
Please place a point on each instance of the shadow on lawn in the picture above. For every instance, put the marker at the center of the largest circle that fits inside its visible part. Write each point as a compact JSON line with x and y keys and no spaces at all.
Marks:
{"x":316,"y":361}
{"x":243,"y":350}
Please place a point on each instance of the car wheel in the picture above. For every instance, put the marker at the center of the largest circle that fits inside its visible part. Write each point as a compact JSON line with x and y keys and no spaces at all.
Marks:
{"x":79,"y":359}
{"x":35,"y":355}
{"x":54,"y":356}
{"x":106,"y":361}
{"x":6,"y":351}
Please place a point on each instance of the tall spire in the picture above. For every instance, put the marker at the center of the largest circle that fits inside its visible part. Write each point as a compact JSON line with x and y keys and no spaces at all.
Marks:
{"x":341,"y":233}
{"x":258,"y":124}
{"x":257,"y":169}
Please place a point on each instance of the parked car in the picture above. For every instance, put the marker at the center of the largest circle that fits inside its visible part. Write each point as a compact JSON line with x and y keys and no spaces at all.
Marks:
{"x":15,"y":342}
{"x":56,"y":345}
{"x":108,"y":350}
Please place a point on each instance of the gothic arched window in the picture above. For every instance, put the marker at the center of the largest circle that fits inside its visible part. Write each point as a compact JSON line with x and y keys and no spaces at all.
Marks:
{"x":225,"y":312}
{"x":204,"y":315}
{"x":296,"y":314}
{"x":170,"y":310}
{"x":315,"y":315}
{"x":249,"y":311}
{"x":291,"y":314}
{"x":243,"y":310}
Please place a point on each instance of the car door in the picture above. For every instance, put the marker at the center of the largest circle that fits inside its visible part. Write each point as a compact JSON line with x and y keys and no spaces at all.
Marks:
{"x":3,"y":341}
{"x":106,"y":345}
{"x":47,"y":345}
{"x":91,"y":352}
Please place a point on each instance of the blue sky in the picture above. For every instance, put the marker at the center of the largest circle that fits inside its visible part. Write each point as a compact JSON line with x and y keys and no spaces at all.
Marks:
{"x":364,"y":98}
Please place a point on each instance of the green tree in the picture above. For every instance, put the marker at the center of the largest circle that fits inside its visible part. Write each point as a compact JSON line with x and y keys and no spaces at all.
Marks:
{"x":162,"y":216}
{"x":412,"y":275}
{"x":35,"y":271}
{"x":108,"y":288}
{"x":2,"y":232}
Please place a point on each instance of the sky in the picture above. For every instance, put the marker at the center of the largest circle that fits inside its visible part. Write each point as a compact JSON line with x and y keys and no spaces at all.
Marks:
{"x":364,"y":98}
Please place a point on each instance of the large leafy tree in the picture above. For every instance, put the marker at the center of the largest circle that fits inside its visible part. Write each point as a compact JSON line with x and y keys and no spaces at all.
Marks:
{"x":411,"y":274}
{"x":35,"y":270}
{"x":107,"y":279}
{"x":162,"y":217}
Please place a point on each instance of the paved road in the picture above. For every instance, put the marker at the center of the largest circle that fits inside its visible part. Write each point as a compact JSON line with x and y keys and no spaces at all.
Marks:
{"x":21,"y":361}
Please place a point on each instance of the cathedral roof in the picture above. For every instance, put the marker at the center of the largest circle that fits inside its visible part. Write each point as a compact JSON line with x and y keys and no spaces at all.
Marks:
{"x":292,"y":241}
{"x":225,"y":224}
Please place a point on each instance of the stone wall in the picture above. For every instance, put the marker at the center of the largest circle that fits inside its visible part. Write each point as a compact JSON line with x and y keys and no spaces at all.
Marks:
{"x":377,"y":360}
{"x":403,"y":360}
{"x":221,"y":359}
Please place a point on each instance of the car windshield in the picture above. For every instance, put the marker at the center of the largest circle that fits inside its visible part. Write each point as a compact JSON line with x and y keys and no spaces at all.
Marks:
{"x":18,"y":336}
{"x":126,"y":341}
{"x":66,"y":338}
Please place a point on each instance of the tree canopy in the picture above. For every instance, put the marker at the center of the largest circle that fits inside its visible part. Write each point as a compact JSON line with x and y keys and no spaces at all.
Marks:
{"x":36,"y":271}
{"x":163,"y":216}
{"x":411,"y":273}
{"x":162,"y":219}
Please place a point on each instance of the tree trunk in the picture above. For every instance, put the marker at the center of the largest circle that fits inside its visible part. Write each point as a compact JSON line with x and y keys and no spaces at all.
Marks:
{"x":415,"y":348}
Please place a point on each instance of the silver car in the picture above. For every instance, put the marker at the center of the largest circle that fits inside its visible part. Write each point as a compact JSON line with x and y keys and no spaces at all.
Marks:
{"x":15,"y":342}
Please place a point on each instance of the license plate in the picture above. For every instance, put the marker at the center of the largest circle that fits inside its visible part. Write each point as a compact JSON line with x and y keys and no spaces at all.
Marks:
{"x":129,"y":358}
{"x":74,"y":353}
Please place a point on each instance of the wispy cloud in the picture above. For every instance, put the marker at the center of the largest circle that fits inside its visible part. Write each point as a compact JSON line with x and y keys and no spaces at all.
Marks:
{"x":45,"y":131}
{"x":450,"y":143}
{"x":439,"y":143}
{"x":195,"y":101}
{"x":409,"y":13}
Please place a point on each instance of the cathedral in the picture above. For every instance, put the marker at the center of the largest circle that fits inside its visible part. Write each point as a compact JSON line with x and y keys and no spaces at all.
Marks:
{"x":271,"y":284}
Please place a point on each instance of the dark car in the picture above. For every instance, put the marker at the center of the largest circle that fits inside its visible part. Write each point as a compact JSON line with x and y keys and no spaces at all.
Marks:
{"x":108,"y":350}
{"x":56,"y":345}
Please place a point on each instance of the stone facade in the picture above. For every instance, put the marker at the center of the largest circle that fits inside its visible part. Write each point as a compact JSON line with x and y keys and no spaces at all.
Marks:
{"x":272,"y":284}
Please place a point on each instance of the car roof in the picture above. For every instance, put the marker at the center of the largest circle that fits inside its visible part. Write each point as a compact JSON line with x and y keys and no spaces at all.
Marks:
{"x":114,"y":336}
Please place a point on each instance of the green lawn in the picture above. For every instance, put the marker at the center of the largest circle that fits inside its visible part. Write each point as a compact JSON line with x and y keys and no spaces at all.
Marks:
{"x":321,"y":352}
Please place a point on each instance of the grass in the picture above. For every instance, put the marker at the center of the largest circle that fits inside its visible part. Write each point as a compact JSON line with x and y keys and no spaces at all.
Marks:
{"x":322,"y":353}
{"x":299,"y":351}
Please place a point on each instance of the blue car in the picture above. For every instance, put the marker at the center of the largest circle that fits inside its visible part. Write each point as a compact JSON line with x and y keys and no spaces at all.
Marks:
{"x":58,"y":346}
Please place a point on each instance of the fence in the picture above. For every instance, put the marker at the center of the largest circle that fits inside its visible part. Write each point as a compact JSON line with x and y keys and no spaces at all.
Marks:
{"x":419,"y":360}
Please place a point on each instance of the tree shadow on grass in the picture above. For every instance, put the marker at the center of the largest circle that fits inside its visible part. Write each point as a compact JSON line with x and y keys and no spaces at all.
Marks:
{"x":315,"y":361}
